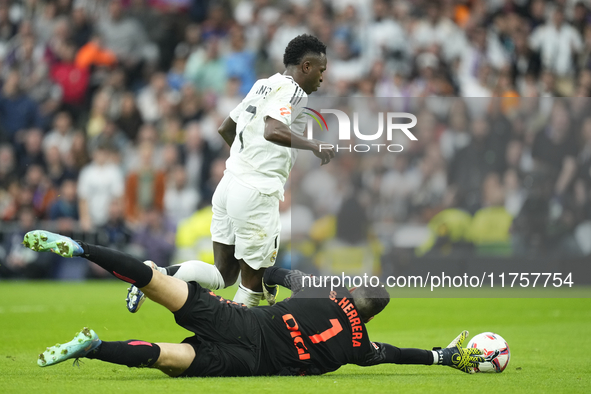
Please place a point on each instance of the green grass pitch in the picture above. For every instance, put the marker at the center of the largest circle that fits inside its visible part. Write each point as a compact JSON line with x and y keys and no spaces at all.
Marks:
{"x":550,"y":341}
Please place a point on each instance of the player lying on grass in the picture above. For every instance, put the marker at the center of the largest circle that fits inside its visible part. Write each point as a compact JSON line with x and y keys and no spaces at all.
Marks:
{"x":315,"y":331}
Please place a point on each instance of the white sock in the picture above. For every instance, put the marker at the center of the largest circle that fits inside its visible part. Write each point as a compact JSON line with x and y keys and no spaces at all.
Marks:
{"x":247,"y":297}
{"x":207,"y":275}
{"x":435,"y":357}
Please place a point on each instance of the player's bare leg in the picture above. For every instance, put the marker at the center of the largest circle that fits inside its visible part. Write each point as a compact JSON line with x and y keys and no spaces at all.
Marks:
{"x":251,"y":279}
{"x":167,"y":291}
{"x":223,"y":274}
{"x":174,"y":358}
{"x":226,"y":263}
{"x":171,"y":358}
{"x":250,"y":290}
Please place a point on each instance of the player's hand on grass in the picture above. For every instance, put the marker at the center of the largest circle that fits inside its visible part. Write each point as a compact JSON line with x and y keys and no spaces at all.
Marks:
{"x":324,"y":152}
{"x":458,"y":357}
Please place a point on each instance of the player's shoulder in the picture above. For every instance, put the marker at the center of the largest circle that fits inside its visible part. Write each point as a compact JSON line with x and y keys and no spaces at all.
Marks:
{"x":285,"y":83}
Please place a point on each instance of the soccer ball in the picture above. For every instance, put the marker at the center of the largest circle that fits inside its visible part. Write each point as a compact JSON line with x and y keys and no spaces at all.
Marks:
{"x":494,"y":348}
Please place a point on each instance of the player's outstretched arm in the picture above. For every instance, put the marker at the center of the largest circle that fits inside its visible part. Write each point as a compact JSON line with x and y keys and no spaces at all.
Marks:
{"x":228,"y":130}
{"x":454,"y":355}
{"x":278,"y":133}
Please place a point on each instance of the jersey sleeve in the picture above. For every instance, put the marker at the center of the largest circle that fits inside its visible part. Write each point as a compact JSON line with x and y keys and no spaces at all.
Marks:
{"x":283,"y":105}
{"x":291,"y":279}
{"x":385,"y":353}
{"x":235,"y":113}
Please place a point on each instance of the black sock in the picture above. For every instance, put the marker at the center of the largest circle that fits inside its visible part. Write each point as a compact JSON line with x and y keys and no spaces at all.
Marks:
{"x":132,"y":353}
{"x":171,"y":270}
{"x":122,"y":265}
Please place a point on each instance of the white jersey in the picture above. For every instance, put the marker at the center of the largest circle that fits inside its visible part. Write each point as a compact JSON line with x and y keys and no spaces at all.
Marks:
{"x":253,"y":160}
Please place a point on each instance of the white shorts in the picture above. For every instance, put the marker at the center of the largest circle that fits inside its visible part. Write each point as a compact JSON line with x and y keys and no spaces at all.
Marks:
{"x":248,"y":219}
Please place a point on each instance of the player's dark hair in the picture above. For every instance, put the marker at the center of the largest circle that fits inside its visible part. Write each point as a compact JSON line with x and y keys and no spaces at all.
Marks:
{"x":300,"y":47}
{"x":370,"y":300}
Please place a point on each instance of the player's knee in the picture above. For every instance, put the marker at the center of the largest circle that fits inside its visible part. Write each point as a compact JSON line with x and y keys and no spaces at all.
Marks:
{"x":175,"y":358}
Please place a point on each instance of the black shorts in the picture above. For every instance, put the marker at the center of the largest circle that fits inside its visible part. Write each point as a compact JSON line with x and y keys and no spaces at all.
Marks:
{"x":227,"y":338}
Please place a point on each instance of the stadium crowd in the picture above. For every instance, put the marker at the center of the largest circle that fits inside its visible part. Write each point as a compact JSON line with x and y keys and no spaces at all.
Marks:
{"x":109,"y":113}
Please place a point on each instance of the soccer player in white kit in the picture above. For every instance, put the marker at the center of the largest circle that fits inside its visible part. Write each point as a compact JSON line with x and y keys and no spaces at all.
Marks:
{"x":261,"y":131}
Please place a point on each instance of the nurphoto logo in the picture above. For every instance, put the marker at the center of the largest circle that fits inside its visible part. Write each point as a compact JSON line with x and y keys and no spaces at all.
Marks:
{"x":344,"y":124}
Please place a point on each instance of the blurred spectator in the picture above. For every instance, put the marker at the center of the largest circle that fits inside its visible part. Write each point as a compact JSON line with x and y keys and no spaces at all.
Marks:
{"x":17,"y":110}
{"x":555,"y":149}
{"x":558,"y":43}
{"x":206,"y":68}
{"x":515,"y":194}
{"x":385,"y":39}
{"x":584,"y":61}
{"x":100,"y":183}
{"x":218,"y":166}
{"x":490,"y":227}
{"x":99,"y":113}
{"x":31,"y":152}
{"x":144,"y":186}
{"x":148,"y":98}
{"x":218,"y":21}
{"x":226,"y":103}
{"x":345,"y":66}
{"x":65,"y":206}
{"x":60,"y":36}
{"x":171,"y":130}
{"x":127,"y":39}
{"x":7,"y":28}
{"x":43,"y":192}
{"x":196,"y":156}
{"x":28,"y":59}
{"x":176,"y":75}
{"x":78,"y":156}
{"x":81,"y":25}
{"x":22,"y":262}
{"x":158,"y":19}
{"x":45,"y":20}
{"x":115,"y":231}
{"x":73,"y":79}
{"x":114,"y":85}
{"x":429,"y":184}
{"x":110,"y":136}
{"x":581,"y":16}
{"x":180,"y":200}
{"x":483,"y":47}
{"x":468,"y":168}
{"x":436,"y":30}
{"x":62,"y":134}
{"x":524,"y":61}
{"x":129,"y":119}
{"x":7,"y":166}
{"x":57,"y":172}
{"x":456,"y":136}
{"x":156,"y":237}
{"x":190,"y":42}
{"x":240,"y":62}
{"x":537,"y":13}
{"x":191,"y":107}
